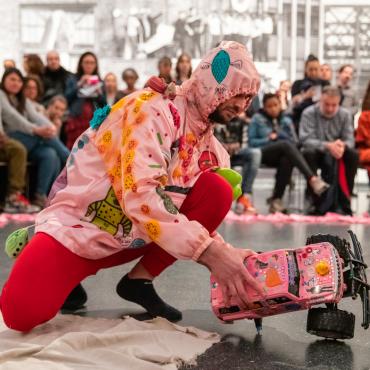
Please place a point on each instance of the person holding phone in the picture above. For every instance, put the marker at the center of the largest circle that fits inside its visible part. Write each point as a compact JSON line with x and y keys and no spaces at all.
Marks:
{"x":84,"y":92}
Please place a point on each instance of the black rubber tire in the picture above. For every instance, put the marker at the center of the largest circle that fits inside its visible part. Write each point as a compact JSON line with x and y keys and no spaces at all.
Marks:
{"x":333,"y":324}
{"x":341,"y":245}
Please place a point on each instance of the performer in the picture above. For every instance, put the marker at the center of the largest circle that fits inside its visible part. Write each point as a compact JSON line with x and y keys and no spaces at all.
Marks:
{"x":139,"y":183}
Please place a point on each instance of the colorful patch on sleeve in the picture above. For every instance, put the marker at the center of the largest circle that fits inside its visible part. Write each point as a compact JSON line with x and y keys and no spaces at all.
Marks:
{"x":118,"y":105}
{"x":153,"y":229}
{"x":207,"y":160}
{"x":175,"y":115}
{"x":108,"y":215}
{"x":167,"y":201}
{"x":137,"y":243}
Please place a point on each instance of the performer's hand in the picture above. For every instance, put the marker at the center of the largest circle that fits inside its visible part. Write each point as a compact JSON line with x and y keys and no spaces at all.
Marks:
{"x":226,"y":263}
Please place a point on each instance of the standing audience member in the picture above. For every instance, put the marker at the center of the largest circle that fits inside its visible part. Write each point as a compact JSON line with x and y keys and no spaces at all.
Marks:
{"x":84,"y":92}
{"x":33,"y":91}
{"x":363,"y":133}
{"x":54,"y":78}
{"x":111,"y":88}
{"x":233,"y":137}
{"x":273,"y":131}
{"x":8,"y":63}
{"x":326,"y":72}
{"x":307,"y":91}
{"x":183,"y":68}
{"x":284,"y":94}
{"x":129,"y":77}
{"x":33,"y":130}
{"x":15,"y":155}
{"x":164,"y":69}
{"x":326,"y":133}
{"x":348,"y":98}
{"x":33,"y":65}
{"x":56,"y":110}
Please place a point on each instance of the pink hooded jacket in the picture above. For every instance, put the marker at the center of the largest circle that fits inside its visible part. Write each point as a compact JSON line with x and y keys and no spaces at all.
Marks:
{"x":124,"y":183}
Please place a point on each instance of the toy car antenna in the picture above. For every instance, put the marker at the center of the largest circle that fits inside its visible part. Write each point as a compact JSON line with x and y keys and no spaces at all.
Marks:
{"x":357,"y":279}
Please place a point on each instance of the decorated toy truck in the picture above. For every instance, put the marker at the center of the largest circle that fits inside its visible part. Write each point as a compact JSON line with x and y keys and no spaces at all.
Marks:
{"x":324,"y":271}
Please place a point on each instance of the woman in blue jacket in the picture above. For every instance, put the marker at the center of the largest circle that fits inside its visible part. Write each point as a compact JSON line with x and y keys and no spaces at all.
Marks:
{"x":273,"y":131}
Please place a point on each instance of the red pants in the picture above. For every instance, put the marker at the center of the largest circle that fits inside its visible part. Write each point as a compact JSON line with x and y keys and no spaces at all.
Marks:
{"x":46,"y":272}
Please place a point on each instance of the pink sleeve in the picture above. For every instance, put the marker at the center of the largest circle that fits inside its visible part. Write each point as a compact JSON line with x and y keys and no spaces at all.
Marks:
{"x":145,"y":156}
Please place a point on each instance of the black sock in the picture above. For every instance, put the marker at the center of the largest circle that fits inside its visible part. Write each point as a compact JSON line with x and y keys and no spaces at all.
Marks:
{"x":142,"y":292}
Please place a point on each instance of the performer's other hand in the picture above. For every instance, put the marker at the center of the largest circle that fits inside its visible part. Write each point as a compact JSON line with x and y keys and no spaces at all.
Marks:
{"x":226,"y":263}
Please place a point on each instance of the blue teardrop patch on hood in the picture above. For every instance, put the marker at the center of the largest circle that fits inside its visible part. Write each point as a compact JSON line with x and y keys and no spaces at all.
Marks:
{"x":220,"y":65}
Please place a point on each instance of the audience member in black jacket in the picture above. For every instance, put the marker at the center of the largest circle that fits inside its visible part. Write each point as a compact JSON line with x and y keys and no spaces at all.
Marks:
{"x":54,"y":77}
{"x":307,"y":91}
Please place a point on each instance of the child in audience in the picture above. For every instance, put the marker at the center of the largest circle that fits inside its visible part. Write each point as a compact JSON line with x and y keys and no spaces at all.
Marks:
{"x":273,"y":131}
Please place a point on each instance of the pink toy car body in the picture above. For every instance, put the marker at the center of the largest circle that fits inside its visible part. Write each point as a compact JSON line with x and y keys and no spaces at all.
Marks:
{"x":294,"y":279}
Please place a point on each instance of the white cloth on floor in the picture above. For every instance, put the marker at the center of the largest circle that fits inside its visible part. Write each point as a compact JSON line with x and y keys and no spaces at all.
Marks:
{"x":75,"y":342}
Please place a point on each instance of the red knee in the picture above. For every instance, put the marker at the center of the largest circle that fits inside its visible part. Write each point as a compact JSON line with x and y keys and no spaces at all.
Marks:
{"x":21,"y":312}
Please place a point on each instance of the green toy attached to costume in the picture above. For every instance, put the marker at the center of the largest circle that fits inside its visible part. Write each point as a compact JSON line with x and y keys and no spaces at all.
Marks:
{"x":233,"y":178}
{"x":16,"y":241}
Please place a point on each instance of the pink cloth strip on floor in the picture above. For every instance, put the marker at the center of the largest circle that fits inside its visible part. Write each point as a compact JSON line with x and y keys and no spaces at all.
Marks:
{"x":329,"y":218}
{"x":278,"y":218}
{"x":5,"y":218}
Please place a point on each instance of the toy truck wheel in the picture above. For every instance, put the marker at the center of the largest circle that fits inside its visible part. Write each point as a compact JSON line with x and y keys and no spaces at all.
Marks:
{"x":341,"y":245}
{"x":333,"y":324}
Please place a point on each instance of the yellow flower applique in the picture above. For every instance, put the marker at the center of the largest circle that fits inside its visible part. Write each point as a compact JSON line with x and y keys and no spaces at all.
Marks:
{"x":153,"y":229}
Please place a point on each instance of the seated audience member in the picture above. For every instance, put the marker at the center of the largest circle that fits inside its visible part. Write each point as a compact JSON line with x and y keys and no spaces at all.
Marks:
{"x":129,"y":77}
{"x":284,"y":94}
{"x":15,"y":155}
{"x":273,"y":131}
{"x":33,"y":65}
{"x":164,"y":69}
{"x":233,"y":137}
{"x":8,"y":63}
{"x":56,"y":110}
{"x":54,"y":77}
{"x":326,"y":72}
{"x":111,"y":88}
{"x":33,"y":130}
{"x":363,"y":133}
{"x":183,"y":68}
{"x":307,"y":91}
{"x":84,"y":93}
{"x":326,"y":133}
{"x":348,"y":97}
{"x":33,"y":91}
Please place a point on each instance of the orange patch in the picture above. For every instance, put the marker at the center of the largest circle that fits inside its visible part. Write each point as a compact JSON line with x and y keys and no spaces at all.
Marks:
{"x":183,"y":154}
{"x":107,"y":137}
{"x":190,"y":138}
{"x":128,"y":169}
{"x":163,"y":180}
{"x":145,"y":209}
{"x":272,"y":277}
{"x":101,"y":148}
{"x":177,"y":172}
{"x":132,"y":144}
{"x":129,"y":181}
{"x":140,"y":118}
{"x":131,"y":101}
{"x":153,"y":229}
{"x":134,"y":188}
{"x":126,"y":133}
{"x":128,"y":158}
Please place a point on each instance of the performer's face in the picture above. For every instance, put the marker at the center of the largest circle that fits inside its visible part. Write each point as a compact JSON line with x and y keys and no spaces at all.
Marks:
{"x":230,"y":109}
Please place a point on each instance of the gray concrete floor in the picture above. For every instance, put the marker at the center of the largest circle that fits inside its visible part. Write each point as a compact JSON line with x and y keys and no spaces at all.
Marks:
{"x":284,"y":343}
